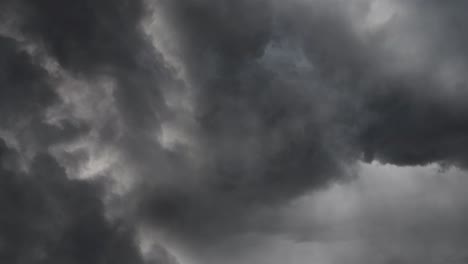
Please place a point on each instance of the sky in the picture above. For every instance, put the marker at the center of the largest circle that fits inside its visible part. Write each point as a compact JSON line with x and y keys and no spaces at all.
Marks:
{"x":233,"y":132}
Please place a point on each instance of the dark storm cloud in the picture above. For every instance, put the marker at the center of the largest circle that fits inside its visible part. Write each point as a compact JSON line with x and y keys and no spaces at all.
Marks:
{"x":260,"y":139}
{"x":98,"y":38}
{"x":289,"y":148}
{"x":285,"y":97}
{"x":409,"y":132}
{"x":47,"y":218}
{"x":405,"y":116}
{"x":268,"y":134}
{"x":25,"y":86}
{"x":228,"y":33}
{"x":414,"y":118}
{"x":26,"y":92}
{"x":84,"y":35}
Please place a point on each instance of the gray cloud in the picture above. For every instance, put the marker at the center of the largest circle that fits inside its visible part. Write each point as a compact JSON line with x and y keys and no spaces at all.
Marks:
{"x":47,"y":218}
{"x":231,"y":109}
{"x":391,"y":214}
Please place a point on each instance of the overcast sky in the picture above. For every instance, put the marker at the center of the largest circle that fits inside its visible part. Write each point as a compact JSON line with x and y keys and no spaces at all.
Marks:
{"x":233,"y":132}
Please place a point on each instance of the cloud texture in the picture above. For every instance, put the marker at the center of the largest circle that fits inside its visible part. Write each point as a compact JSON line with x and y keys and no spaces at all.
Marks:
{"x":200,"y":121}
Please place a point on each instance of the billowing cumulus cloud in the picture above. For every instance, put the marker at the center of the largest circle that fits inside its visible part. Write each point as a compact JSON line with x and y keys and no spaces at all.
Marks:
{"x":47,"y":218}
{"x":158,"y":128}
{"x":390,"y":214}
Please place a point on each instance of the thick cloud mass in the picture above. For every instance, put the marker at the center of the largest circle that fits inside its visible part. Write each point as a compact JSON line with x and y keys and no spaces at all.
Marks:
{"x":25,"y":89}
{"x":47,"y":218}
{"x":203,"y":120}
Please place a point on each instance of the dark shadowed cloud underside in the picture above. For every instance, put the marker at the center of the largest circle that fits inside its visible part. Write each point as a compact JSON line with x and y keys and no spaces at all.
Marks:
{"x":137,"y":131}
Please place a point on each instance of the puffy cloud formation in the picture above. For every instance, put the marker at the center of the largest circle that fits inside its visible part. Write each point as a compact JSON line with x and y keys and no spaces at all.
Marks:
{"x":200,"y":121}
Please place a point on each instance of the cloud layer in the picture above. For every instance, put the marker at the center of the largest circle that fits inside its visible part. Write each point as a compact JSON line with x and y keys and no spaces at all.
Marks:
{"x":204,"y":120}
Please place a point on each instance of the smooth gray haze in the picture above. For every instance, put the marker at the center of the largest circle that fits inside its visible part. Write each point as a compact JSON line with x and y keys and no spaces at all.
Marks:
{"x":233,"y":131}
